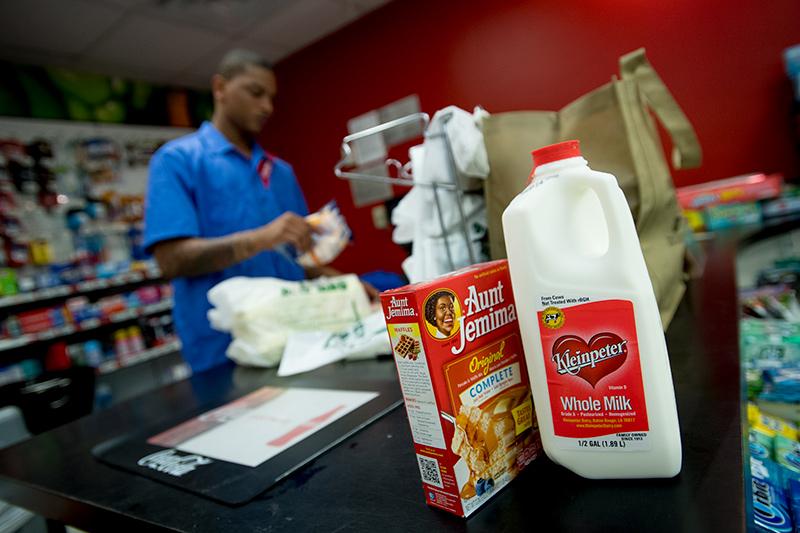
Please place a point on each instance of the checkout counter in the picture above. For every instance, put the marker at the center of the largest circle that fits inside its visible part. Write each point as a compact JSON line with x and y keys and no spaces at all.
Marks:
{"x":370,"y":480}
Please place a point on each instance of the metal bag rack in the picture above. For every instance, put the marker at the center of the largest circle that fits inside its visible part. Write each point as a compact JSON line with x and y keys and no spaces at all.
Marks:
{"x":404,"y":176}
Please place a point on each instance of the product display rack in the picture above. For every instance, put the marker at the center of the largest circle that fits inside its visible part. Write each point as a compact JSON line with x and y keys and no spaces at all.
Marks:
{"x":148,"y":355}
{"x":768,"y":281}
{"x":33,"y":341}
{"x":405,"y":177}
{"x":76,"y":286}
{"x":93,"y":288}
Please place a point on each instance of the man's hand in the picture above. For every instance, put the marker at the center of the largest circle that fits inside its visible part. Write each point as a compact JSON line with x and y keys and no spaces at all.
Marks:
{"x":288,"y":228}
{"x":328,"y":271}
{"x":372,"y":292}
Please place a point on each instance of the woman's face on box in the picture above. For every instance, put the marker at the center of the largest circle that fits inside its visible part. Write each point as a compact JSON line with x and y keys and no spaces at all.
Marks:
{"x":445,"y":315}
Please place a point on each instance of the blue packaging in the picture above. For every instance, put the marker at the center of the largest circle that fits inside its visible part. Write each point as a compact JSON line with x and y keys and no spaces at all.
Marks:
{"x":781,"y":385}
{"x":93,"y":352}
{"x":770,"y":506}
{"x":794,"y":499}
{"x":787,"y":476}
{"x":761,"y":444}
{"x":787,"y":453}
{"x":57,"y":317}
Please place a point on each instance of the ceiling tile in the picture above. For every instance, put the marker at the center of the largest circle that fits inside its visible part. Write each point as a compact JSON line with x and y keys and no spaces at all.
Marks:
{"x":272,"y":52}
{"x":206,"y":65}
{"x":167,"y":41}
{"x":147,"y":43}
{"x":364,"y":6}
{"x":64,"y":27}
{"x":303,"y":22}
{"x":127,"y":3}
{"x":230,"y":17}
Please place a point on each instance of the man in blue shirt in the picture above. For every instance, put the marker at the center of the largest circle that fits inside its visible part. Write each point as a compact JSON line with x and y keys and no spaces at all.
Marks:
{"x":218,"y":205}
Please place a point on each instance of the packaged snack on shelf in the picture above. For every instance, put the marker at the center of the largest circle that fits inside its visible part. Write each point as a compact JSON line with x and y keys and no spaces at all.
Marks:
{"x":752,"y":413}
{"x":769,"y":344}
{"x":744,"y":188}
{"x":695,"y":219}
{"x":730,"y":215}
{"x":784,"y":275}
{"x":136,"y":342}
{"x":35,"y":321}
{"x":778,"y":301}
{"x":781,"y":207}
{"x":787,"y":453}
{"x":781,"y":385}
{"x":112,"y":304}
{"x":93,"y":353}
{"x":771,"y":511}
{"x":459,"y":356}
{"x":794,"y":499}
{"x":762,"y":441}
{"x":779,"y":426}
{"x":8,"y":281}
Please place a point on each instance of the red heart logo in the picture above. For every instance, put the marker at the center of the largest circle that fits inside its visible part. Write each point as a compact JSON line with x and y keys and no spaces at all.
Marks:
{"x":592,"y":361}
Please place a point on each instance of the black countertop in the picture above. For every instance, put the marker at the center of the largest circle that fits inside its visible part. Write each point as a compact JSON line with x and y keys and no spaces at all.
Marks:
{"x":370,"y":482}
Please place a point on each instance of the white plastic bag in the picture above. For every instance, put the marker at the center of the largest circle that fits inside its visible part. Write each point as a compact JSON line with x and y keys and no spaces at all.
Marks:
{"x":260,"y":313}
{"x":312,"y":349}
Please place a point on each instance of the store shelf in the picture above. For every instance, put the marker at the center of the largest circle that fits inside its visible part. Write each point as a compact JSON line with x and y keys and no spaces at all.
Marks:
{"x":127,"y":280}
{"x":147,"y":355}
{"x":89,"y":325}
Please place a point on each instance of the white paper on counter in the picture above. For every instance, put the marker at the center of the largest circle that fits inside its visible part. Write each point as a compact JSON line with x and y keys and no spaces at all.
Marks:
{"x":262,"y":424}
{"x":309,"y":350}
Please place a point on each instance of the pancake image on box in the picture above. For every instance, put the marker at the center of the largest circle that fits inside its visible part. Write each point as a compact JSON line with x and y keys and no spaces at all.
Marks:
{"x":486,"y":439}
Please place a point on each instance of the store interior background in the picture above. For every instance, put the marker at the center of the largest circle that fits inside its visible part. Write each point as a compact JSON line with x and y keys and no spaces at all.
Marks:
{"x":721,"y":60}
{"x":338,"y":59}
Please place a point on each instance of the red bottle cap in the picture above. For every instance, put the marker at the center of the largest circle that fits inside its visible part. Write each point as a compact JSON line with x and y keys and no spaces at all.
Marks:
{"x":556,"y":152}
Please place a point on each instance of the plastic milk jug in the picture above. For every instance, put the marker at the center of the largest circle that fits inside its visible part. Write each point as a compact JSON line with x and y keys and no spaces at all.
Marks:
{"x":591,"y":329}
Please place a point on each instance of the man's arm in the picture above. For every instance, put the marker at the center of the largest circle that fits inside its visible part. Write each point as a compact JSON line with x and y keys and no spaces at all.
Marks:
{"x":318,"y":272}
{"x":196,"y":256}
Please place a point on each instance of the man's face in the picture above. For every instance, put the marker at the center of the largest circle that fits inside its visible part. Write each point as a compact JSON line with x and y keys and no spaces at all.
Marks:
{"x":246,"y":98}
{"x":445,"y":313}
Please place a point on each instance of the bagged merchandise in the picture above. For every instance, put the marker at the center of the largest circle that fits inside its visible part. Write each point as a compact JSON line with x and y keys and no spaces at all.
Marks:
{"x":615,"y":124}
{"x":459,"y":357}
{"x":590,"y":323}
{"x":307,"y":350}
{"x":434,"y":227}
{"x":260,"y":313}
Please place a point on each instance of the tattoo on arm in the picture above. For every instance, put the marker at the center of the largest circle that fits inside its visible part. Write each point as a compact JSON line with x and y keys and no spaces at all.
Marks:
{"x":197,"y":256}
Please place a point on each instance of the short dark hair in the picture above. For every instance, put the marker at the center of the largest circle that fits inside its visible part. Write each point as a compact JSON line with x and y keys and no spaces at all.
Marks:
{"x":237,"y":60}
{"x":430,"y":306}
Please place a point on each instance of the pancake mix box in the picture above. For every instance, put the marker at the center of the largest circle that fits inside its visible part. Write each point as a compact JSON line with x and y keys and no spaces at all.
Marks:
{"x":459,"y":357}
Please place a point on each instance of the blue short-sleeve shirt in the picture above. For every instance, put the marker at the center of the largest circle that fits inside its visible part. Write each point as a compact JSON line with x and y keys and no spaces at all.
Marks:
{"x":200,"y":185}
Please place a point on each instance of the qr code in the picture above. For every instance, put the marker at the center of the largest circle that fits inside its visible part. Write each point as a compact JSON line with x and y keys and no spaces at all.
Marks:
{"x":429,"y":470}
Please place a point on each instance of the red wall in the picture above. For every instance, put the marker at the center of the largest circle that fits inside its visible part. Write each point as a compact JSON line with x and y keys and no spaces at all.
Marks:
{"x":722,"y":61}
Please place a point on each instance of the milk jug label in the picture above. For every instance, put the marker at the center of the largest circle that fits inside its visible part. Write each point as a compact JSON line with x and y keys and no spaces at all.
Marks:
{"x":594,"y":377}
